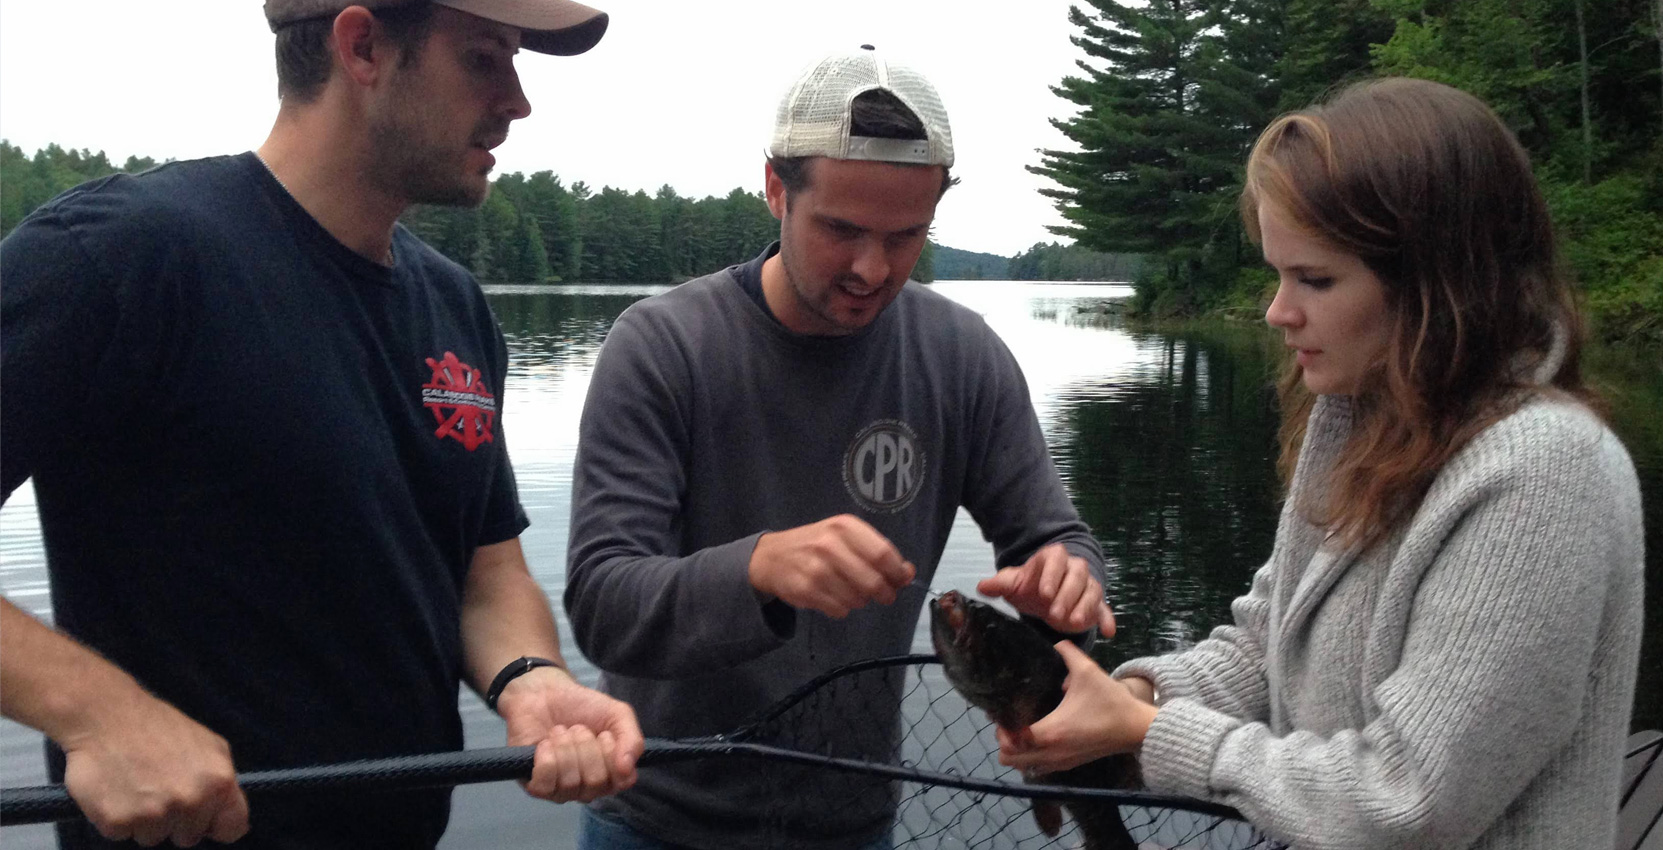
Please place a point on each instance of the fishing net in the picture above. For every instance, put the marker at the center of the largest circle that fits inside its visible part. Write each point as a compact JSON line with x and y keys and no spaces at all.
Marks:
{"x":929,"y":775}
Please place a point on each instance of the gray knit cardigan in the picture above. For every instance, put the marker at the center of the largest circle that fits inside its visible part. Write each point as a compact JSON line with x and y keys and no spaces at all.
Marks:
{"x":1465,"y":683}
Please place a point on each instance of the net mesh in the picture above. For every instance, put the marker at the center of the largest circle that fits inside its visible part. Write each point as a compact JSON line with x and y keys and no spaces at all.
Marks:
{"x":945,"y":787}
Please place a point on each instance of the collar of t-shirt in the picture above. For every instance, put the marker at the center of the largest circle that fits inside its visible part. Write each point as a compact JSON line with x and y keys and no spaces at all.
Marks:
{"x":354,"y":264}
{"x":749,"y":276}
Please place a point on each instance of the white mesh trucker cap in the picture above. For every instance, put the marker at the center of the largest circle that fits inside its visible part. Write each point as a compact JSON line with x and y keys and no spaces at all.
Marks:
{"x":560,"y":27}
{"x":814,"y":115}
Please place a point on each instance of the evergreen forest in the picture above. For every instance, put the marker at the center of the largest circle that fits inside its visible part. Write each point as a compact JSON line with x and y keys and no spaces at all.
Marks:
{"x":1171,"y":94}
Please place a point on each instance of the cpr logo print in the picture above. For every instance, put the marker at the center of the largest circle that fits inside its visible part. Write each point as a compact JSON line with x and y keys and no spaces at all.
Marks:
{"x":884,"y":468}
{"x":460,"y":401}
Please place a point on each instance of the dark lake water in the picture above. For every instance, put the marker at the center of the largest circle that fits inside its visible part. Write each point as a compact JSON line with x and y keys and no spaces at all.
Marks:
{"x":1165,"y":439}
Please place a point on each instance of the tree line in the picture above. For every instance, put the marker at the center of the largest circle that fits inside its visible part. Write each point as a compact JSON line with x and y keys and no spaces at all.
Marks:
{"x":1172,"y":93}
{"x":530,"y":229}
{"x":537,"y":229}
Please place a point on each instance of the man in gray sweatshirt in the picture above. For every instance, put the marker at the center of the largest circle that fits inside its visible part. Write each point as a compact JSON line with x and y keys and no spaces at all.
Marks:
{"x":769,"y":450}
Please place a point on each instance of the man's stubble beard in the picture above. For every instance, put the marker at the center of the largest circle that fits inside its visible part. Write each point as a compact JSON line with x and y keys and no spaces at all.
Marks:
{"x":793,"y":282}
{"x":408,"y":164}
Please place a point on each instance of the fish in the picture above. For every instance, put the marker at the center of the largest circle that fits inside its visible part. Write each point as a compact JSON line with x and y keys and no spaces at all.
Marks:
{"x":1006,"y":668}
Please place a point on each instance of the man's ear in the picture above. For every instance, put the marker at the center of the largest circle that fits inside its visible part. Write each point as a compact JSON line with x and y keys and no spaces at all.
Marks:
{"x":359,"y":50}
{"x":774,"y":190}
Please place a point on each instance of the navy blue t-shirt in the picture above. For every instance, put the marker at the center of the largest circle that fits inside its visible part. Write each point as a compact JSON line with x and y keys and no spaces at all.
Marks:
{"x":263,"y":464}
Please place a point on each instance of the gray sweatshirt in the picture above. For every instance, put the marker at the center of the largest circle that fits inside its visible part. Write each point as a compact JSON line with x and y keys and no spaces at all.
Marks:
{"x":708,"y":423}
{"x":1466,"y":683}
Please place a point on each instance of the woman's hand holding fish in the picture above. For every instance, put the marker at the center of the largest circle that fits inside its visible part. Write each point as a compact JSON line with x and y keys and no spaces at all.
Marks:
{"x":1140,"y":687}
{"x":587,"y":742}
{"x":832,"y":566}
{"x":1056,"y":587}
{"x":1099,"y":716}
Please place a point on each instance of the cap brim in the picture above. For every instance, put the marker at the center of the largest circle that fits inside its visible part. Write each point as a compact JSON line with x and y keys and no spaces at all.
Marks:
{"x":558,"y":27}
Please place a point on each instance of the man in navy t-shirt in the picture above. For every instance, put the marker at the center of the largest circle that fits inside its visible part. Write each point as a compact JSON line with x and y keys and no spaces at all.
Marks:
{"x":263,"y":423}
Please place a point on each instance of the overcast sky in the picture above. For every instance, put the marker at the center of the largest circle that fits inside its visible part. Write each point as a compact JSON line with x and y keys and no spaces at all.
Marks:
{"x":679,"y":92}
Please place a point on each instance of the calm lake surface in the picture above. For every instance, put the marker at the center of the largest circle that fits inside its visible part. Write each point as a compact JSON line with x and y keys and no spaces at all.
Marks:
{"x":1166,"y":441}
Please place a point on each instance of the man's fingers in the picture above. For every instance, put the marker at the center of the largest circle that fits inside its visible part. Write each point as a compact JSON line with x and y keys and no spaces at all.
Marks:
{"x":845,"y":580}
{"x":626,"y":730}
{"x":1067,"y":600}
{"x":868,"y":584}
{"x":184,"y":836}
{"x":576,"y":765}
{"x":194,"y":821}
{"x":839,"y":598}
{"x":997,"y":584}
{"x":1007,"y":582}
{"x":190,"y":825}
{"x":231,"y":821}
{"x":595,"y":778}
{"x":150,"y":831}
{"x":546,"y":766}
{"x":824,"y":588}
{"x":569,"y":759}
{"x":1053,"y":568}
{"x":630,"y":745}
{"x":1105,"y":620}
{"x":613,"y":776}
{"x":873,"y":551}
{"x":1087,"y":612}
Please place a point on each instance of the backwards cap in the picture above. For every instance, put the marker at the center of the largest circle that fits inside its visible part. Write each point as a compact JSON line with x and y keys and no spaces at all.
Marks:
{"x":815,"y":115}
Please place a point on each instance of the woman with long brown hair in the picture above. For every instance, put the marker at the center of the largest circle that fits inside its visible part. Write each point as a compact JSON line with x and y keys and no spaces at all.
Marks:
{"x":1441,"y":650}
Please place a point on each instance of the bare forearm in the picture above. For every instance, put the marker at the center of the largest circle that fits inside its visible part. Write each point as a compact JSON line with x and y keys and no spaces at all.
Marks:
{"x":505,"y":614}
{"x":136,"y":766}
{"x":53,"y":683}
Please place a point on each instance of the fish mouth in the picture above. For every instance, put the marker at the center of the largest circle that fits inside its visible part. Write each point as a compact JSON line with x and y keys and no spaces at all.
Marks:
{"x":954,"y":614}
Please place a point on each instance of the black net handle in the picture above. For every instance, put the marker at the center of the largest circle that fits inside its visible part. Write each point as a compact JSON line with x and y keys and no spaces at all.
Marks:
{"x":50,"y":803}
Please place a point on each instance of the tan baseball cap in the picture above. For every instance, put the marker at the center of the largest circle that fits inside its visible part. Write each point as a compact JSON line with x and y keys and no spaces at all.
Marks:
{"x":559,"y":27}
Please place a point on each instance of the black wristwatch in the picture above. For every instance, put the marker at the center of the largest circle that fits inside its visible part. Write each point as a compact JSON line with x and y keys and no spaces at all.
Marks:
{"x":515,"y":669}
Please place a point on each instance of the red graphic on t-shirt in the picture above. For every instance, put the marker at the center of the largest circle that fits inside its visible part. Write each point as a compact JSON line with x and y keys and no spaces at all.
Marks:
{"x":460,"y":401}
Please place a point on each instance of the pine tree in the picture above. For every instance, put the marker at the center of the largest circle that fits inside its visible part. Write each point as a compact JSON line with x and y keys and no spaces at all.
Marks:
{"x":1163,"y":128}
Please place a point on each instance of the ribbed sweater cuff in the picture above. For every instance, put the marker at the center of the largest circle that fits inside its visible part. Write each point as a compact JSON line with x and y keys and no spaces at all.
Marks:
{"x":1181,"y":747}
{"x":1170,"y":678}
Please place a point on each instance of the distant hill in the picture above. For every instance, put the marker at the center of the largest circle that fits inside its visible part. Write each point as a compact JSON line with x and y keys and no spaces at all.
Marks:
{"x":1071,"y":262}
{"x":1041,"y":262}
{"x":954,"y":264}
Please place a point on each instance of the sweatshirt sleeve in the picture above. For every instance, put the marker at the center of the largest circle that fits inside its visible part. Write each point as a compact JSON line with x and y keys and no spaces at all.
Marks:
{"x":1012,"y":488}
{"x":1501,"y":634}
{"x":636,"y":608}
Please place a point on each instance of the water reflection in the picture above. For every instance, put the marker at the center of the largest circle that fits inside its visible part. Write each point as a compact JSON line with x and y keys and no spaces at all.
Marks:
{"x":1173,"y":467}
{"x":1166,"y":442}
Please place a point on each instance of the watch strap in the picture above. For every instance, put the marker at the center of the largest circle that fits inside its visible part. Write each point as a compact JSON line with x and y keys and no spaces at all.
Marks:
{"x":515,"y":669}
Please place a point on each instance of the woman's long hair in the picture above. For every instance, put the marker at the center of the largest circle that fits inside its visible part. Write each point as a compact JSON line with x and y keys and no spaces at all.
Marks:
{"x":1427,"y":186}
